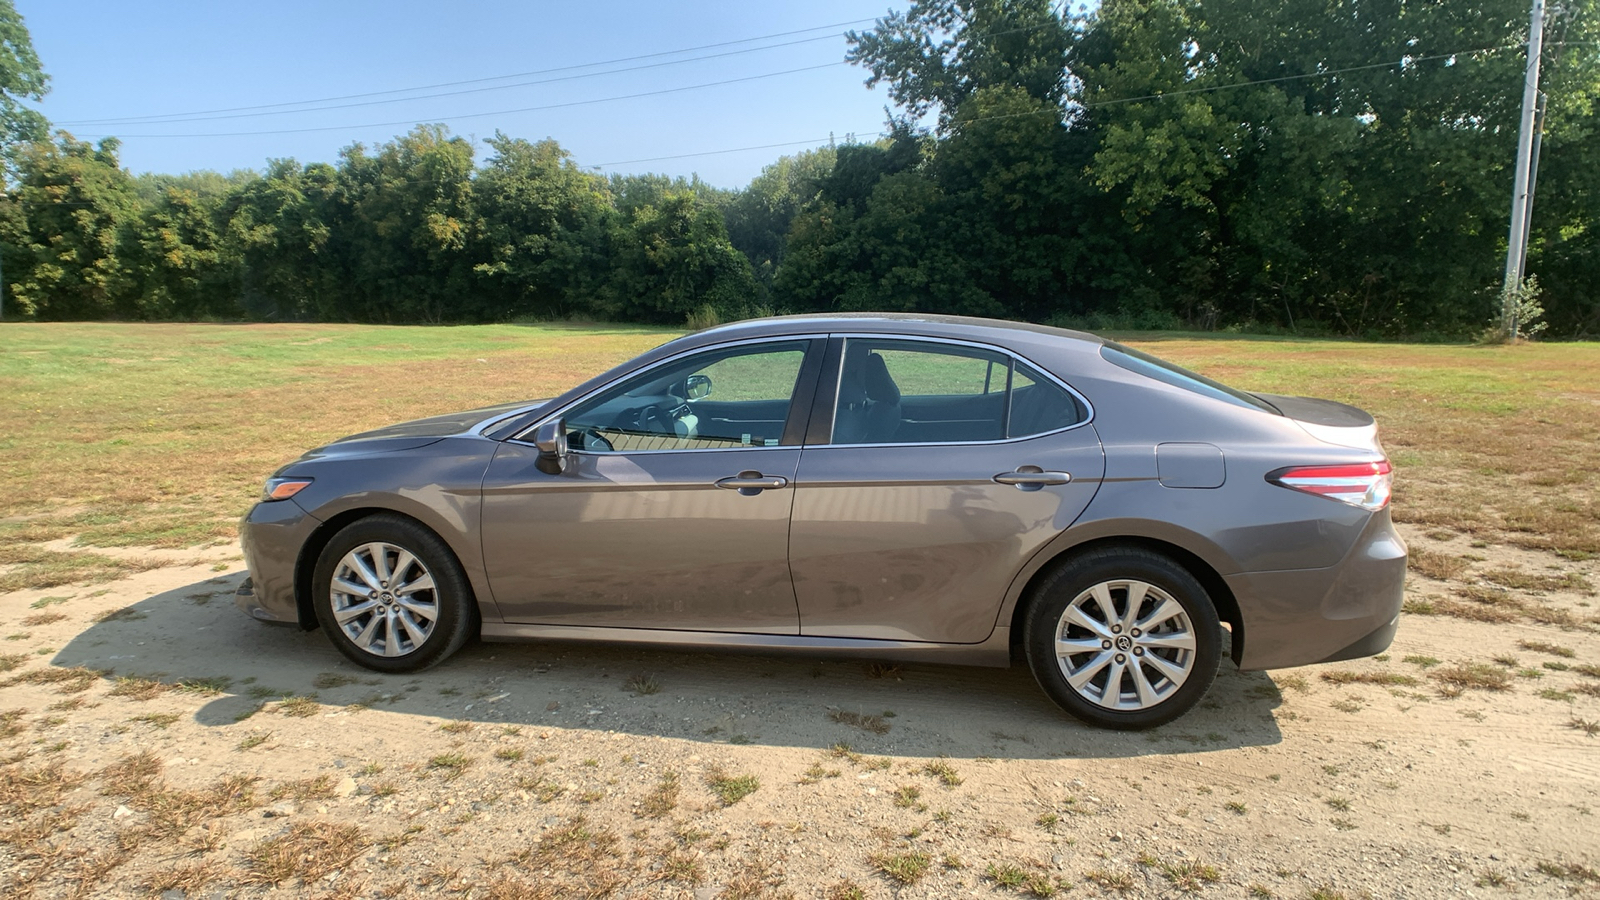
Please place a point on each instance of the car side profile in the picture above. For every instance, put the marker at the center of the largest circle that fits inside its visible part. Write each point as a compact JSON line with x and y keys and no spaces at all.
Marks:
{"x":901,"y":487}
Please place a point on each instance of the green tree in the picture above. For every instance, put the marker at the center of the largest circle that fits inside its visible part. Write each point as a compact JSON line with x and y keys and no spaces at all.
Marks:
{"x":674,"y":259}
{"x":72,"y":204}
{"x":408,"y":226}
{"x":283,"y":226}
{"x":759,"y":216}
{"x":938,"y":53}
{"x":22,"y":77}
{"x":546,"y":225}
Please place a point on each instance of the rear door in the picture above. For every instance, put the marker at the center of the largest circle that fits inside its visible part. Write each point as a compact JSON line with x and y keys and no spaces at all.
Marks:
{"x":673,"y":510}
{"x":944,"y":467}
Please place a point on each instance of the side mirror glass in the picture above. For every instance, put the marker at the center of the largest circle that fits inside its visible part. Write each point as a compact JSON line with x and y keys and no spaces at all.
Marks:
{"x":551,"y":439}
{"x":697,"y":386}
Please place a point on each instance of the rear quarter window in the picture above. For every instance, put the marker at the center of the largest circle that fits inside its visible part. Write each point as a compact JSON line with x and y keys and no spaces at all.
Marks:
{"x":1179,"y":377}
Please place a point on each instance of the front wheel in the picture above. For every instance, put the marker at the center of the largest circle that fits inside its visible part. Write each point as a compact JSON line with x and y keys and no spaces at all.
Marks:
{"x":391,"y":595}
{"x":1123,"y":638}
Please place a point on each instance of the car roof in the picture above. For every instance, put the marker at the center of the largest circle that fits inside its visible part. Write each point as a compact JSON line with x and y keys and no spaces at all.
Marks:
{"x":926,"y":324}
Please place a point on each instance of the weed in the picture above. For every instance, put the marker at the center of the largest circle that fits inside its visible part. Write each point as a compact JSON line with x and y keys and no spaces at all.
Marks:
{"x":906,"y":796}
{"x":125,"y":614}
{"x":1293,"y":681}
{"x":1530,"y":581}
{"x":844,"y":890}
{"x":1440,"y":566}
{"x":1048,"y":821}
{"x":1589,"y":728}
{"x":1425,"y":662}
{"x":319,"y":787}
{"x":1345,"y":676}
{"x":663,"y":798}
{"x":453,"y":764}
{"x":1115,"y":881}
{"x":252,"y":740}
{"x":942,"y":770}
{"x":884,"y":670}
{"x":1558,"y":696}
{"x":509,"y":754}
{"x":309,"y":851}
{"x":1338,"y":803}
{"x":1236,"y":807}
{"x":135,"y":688}
{"x":157,"y":720}
{"x":905,"y":868}
{"x":298,"y":707}
{"x":1492,"y":878}
{"x":1569,"y":871}
{"x":35,"y":621}
{"x":456,"y":727}
{"x":641,"y":683}
{"x":1190,"y":876}
{"x":730,"y":789}
{"x":11,"y":661}
{"x":1008,"y":875}
{"x":330,"y":680}
{"x":1473,"y":676}
{"x":865,"y":722}
{"x":1547,"y":647}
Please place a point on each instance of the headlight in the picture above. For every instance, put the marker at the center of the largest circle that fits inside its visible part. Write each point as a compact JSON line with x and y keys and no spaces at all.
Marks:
{"x":283,"y":488}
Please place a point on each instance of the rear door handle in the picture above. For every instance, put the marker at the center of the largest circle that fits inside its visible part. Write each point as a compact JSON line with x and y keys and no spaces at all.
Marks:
{"x":752,"y":483}
{"x":1031,"y":478}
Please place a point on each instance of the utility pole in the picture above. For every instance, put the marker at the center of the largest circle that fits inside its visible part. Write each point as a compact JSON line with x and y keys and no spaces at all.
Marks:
{"x":1520,"y":195}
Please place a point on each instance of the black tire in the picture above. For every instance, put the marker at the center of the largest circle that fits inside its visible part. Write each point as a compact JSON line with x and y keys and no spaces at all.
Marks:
{"x":452,"y":599}
{"x":1072,"y":583}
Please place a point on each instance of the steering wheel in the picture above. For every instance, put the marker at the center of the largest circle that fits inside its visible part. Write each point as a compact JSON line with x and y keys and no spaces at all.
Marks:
{"x":652,"y":419}
{"x":594,"y":440}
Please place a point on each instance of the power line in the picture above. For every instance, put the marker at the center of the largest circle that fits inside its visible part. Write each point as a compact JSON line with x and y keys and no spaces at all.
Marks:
{"x":449,"y":84}
{"x":498,"y":112}
{"x":172,"y":120}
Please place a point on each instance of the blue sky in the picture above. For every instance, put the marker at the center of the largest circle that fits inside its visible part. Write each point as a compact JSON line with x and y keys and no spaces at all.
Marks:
{"x":137,"y":58}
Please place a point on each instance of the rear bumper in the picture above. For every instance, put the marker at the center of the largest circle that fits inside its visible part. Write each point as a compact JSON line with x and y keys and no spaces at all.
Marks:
{"x":271,"y":536}
{"x":1303,"y":616}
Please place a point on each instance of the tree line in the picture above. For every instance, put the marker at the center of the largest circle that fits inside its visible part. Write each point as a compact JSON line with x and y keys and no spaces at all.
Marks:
{"x":1277,"y":165}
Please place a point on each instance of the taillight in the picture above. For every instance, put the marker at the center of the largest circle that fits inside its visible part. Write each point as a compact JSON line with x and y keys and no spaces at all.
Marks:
{"x":1366,"y":485}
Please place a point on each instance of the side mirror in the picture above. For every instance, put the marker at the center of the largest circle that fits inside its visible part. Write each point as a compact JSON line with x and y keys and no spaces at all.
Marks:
{"x":697,"y":386}
{"x":551,"y":439}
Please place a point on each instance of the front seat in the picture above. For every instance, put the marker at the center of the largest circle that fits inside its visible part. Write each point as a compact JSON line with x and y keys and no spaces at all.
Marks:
{"x":869,"y":402}
{"x":883,"y":402}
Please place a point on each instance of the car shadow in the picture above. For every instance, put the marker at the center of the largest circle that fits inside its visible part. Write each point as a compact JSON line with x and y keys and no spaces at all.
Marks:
{"x":195,"y":634}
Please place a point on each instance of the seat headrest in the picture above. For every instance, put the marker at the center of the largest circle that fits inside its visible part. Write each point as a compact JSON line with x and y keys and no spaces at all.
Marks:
{"x":880,"y":387}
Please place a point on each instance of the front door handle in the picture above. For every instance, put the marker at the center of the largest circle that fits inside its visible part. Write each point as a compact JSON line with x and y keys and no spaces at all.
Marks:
{"x":1031,"y":478}
{"x":751,"y":483}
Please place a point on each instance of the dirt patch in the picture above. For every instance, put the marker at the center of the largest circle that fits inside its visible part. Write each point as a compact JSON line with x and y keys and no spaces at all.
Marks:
{"x":155,"y":739}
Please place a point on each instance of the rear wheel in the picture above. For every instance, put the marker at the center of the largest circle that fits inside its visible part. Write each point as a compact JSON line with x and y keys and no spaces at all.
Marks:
{"x":391,"y":595}
{"x":1123,"y":638}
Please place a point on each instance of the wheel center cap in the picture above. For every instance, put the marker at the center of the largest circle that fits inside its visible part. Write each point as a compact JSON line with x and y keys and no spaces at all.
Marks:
{"x":1124,"y":643}
{"x":388,"y":597}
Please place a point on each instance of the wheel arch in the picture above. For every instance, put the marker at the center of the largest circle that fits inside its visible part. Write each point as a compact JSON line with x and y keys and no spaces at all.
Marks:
{"x":1042,"y":567}
{"x":306,"y":564}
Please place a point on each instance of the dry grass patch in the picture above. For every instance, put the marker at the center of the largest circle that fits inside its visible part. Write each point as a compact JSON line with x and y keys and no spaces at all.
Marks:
{"x":299,"y":707}
{"x":1547,"y":647}
{"x":1538,"y":581}
{"x":10,"y":661}
{"x":133,"y":687}
{"x":73,"y":680}
{"x":38,"y":619}
{"x":190,"y":880}
{"x":309,"y":851}
{"x":319,"y":787}
{"x":1436,"y":565}
{"x":863,"y":721}
{"x":663,"y":798}
{"x":1473,"y":676}
{"x":1345,"y":676}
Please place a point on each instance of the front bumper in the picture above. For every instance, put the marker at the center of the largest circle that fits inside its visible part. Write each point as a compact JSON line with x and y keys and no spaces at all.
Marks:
{"x":1303,"y":616}
{"x":272,"y":535}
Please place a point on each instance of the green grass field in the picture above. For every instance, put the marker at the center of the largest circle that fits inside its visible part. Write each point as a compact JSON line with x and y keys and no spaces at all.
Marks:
{"x":121,"y":435}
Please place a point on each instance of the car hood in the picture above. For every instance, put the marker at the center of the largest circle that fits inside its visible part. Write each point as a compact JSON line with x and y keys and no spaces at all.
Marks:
{"x":422,"y":432}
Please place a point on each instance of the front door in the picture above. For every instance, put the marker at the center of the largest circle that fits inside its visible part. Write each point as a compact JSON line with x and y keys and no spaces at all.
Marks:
{"x":673,"y":510}
{"x":947,"y":467}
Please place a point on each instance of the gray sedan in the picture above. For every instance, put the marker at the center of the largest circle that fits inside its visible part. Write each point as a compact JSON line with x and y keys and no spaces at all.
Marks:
{"x":881,"y":486}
